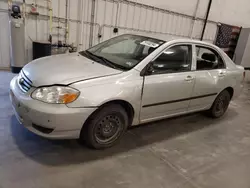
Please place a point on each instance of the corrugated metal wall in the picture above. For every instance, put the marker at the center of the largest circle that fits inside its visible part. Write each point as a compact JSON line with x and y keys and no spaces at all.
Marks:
{"x":93,"y":21}
{"x":131,"y":17}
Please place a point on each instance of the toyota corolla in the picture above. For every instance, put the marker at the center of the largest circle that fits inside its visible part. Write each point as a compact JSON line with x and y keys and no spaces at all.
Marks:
{"x":96,"y":94}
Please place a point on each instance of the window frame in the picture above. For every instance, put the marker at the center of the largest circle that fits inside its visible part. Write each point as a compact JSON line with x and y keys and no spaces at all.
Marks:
{"x":190,"y":45}
{"x":212,"y":50}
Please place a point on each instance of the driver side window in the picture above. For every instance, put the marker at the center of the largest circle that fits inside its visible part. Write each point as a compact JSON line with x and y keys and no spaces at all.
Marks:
{"x":175,"y":59}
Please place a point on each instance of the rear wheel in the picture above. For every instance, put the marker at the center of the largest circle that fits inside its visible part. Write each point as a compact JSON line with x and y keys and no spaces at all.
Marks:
{"x":220,"y":104}
{"x":105,"y":127}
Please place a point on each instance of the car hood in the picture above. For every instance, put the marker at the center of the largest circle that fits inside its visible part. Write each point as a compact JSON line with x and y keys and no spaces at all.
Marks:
{"x":65,"y":69}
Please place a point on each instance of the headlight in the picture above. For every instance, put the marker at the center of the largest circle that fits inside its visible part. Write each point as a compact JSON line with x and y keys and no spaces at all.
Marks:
{"x":55,"y":94}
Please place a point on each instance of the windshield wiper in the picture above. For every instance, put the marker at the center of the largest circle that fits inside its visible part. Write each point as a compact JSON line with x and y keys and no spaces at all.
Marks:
{"x":106,"y":61}
{"x":90,"y":55}
{"x":109,"y":63}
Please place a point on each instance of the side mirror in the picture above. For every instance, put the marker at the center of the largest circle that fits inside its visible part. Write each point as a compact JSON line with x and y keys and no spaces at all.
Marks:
{"x":148,"y":70}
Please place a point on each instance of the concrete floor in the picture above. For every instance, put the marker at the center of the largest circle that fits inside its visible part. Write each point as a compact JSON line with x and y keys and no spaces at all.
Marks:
{"x":187,"y":152}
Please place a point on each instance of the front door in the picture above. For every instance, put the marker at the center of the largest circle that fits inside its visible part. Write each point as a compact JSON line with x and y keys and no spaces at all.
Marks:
{"x":169,"y":84}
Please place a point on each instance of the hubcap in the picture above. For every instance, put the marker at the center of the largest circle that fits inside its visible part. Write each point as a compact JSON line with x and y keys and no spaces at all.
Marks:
{"x":108,"y":128}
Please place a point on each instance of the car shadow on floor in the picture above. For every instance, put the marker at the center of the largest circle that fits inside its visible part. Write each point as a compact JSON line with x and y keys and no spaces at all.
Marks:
{"x":65,"y":152}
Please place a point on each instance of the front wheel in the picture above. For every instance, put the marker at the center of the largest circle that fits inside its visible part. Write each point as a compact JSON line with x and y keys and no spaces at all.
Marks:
{"x":220,"y":104}
{"x":105,"y":127}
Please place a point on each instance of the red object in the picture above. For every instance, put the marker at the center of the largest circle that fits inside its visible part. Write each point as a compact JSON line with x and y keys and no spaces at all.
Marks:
{"x":33,"y":8}
{"x":227,"y":38}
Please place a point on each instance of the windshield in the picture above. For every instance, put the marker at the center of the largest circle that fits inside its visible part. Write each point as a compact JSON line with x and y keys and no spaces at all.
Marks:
{"x":123,"y":52}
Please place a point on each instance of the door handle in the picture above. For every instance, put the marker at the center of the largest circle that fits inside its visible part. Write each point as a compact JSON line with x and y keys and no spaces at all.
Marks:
{"x":189,"y":78}
{"x":222,"y":74}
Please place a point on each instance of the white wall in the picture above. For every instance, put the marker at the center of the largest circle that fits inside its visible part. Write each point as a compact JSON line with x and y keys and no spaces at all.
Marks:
{"x":234,"y":12}
{"x":153,"y":22}
{"x":182,"y":6}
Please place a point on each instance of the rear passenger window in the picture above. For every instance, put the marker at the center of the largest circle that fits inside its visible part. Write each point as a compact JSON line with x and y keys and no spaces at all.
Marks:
{"x":175,"y":59}
{"x":208,"y":59}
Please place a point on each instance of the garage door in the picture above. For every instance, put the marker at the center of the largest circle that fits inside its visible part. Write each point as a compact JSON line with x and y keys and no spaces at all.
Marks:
{"x":4,"y":41}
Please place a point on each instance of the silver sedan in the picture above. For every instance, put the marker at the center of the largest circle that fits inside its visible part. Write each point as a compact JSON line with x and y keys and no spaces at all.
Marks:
{"x":95,"y":95}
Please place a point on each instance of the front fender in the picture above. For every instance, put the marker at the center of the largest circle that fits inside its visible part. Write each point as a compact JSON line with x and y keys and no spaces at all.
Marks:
{"x":97,"y":92}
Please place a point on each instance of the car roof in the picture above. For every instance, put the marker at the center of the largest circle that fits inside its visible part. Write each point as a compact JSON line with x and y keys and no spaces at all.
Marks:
{"x":181,"y":40}
{"x":190,"y":41}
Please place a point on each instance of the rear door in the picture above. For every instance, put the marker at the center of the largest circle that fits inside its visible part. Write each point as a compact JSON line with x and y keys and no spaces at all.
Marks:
{"x":210,"y":77}
{"x":168,"y":87}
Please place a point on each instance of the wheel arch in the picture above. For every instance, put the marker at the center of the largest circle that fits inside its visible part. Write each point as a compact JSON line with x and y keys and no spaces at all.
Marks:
{"x":230,"y":90}
{"x":125,"y":104}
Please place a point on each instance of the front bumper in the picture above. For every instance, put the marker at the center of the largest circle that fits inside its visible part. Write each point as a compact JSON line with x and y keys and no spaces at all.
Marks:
{"x":61,"y":121}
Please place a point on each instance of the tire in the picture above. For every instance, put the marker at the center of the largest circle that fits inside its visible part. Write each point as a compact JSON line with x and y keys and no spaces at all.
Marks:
{"x":105,"y":127}
{"x":220,"y":105}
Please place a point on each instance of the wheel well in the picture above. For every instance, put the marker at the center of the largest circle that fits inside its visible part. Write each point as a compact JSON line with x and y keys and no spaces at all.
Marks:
{"x":231,"y":91}
{"x":126,"y":105}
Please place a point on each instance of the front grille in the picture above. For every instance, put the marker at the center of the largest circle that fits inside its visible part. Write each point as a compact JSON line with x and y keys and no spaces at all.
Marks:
{"x":24,"y":82}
